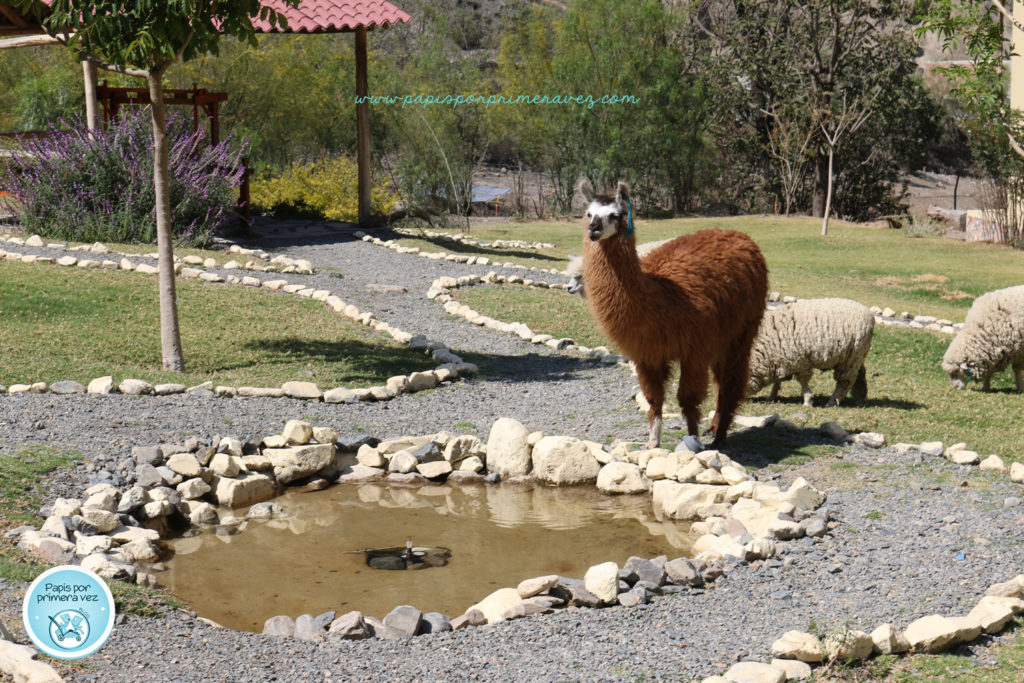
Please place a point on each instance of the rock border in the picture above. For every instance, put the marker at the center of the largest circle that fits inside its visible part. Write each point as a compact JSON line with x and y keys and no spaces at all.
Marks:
{"x":470,"y":241}
{"x":445,"y":256}
{"x":279,"y":263}
{"x":451,"y":366}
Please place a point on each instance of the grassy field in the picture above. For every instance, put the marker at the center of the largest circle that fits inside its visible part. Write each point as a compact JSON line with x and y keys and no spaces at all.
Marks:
{"x":62,"y":323}
{"x":910,"y":398}
{"x":874,"y":265}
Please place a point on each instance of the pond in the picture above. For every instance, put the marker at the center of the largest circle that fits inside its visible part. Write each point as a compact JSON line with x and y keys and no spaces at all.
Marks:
{"x":498,"y":535}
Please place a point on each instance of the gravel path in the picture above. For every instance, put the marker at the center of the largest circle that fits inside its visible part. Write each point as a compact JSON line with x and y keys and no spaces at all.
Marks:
{"x":918,"y":535}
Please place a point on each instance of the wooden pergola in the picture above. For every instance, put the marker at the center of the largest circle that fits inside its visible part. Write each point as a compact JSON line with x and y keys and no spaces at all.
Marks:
{"x":311,"y":16}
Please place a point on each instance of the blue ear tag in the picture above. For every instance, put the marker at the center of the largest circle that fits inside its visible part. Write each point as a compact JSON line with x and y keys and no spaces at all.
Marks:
{"x":629,"y":223}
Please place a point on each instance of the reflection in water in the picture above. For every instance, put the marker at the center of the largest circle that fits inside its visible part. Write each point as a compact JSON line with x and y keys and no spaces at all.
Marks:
{"x":498,"y":536}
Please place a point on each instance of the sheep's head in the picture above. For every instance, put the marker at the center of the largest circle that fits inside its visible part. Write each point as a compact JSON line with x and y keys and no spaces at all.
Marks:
{"x":607,"y":215}
{"x":575,"y":272}
{"x":960,"y":375}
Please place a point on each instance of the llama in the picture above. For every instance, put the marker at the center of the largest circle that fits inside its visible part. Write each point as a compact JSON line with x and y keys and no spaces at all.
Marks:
{"x":696,"y":301}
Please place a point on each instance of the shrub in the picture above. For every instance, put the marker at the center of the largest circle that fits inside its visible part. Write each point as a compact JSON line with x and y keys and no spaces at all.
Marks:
{"x":327,"y":189}
{"x":94,"y":186}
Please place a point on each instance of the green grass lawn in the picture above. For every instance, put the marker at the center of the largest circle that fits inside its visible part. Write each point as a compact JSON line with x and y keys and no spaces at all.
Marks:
{"x":63,"y":323}
{"x":874,"y":265}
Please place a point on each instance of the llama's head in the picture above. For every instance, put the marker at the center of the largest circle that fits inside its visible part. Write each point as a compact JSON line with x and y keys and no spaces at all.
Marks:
{"x":607,"y":215}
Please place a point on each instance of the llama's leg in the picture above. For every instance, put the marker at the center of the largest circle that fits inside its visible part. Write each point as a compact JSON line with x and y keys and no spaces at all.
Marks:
{"x":731,"y":372}
{"x":652,"y":382}
{"x":693,"y":389}
{"x":773,"y":395}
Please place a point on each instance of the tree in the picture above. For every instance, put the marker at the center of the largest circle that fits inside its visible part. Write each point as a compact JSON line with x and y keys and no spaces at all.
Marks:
{"x":805,"y":59}
{"x":144,"y":38}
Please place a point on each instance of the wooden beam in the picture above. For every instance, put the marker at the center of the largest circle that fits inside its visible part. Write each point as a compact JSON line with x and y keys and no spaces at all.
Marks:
{"x":26,"y":41}
{"x":362,"y":127}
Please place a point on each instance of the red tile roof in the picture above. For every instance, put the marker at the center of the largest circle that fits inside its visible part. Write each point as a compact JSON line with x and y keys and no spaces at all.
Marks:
{"x":329,"y":16}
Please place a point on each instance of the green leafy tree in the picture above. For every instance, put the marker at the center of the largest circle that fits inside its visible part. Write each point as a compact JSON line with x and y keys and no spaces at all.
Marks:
{"x":144,"y":38}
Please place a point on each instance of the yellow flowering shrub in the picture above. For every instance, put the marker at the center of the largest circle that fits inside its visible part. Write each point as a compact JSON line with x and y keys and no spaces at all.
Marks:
{"x":327,"y":189}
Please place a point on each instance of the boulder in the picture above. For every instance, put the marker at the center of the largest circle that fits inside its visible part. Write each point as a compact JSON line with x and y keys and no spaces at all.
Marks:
{"x":798,"y":645}
{"x":508,"y":453}
{"x":350,"y":626}
{"x":135,"y":387}
{"x":689,"y":501}
{"x":603,"y":581}
{"x":541,"y":584}
{"x":101,"y":385}
{"x":563,"y":461}
{"x":621,"y":477}
{"x":185,"y":464}
{"x":299,"y":461}
{"x":247,"y":489}
{"x":888,"y":640}
{"x":297,"y":433}
{"x":307,"y":390}
{"x":281,"y":626}
{"x":849,"y":645}
{"x":755,"y":672}
{"x":404,"y":618}
{"x":933,"y":633}
{"x":494,"y":606}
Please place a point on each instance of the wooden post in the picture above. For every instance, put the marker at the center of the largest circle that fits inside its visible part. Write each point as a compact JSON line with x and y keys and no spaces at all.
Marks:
{"x":362,"y":127}
{"x":91,"y":103}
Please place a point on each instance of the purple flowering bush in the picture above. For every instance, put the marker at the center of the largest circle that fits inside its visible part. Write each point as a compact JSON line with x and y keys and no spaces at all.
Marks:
{"x":82,"y":187}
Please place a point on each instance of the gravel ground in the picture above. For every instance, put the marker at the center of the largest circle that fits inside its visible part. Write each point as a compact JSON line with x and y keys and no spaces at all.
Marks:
{"x":918,"y":535}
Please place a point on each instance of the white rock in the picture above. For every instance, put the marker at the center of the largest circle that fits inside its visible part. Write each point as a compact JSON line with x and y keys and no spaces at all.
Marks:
{"x":508,"y":452}
{"x":689,"y":501}
{"x":848,"y":645}
{"x":563,"y":461}
{"x":135,"y":387}
{"x":932,"y":634}
{"x":104,"y":520}
{"x":621,"y":477}
{"x":101,"y":385}
{"x":224,"y":465}
{"x":244,"y":490}
{"x":1014,"y":588}
{"x":340,"y":395}
{"x":297,"y":432}
{"x":185,"y":464}
{"x":306,"y":390}
{"x":498,"y":603}
{"x":994,"y":463}
{"x":535,"y":586}
{"x":603,"y":581}
{"x":368,"y":456}
{"x":798,"y":645}
{"x":992,"y":612}
{"x":140,"y":550}
{"x":191,"y":489}
{"x":795,"y":669}
{"x":1017,"y":472}
{"x":299,"y":461}
{"x":755,"y":672}
{"x":888,"y":640}
{"x":803,"y":495}
{"x":931,"y":448}
{"x":127,"y":534}
{"x":869,"y":439}
{"x":965,"y":457}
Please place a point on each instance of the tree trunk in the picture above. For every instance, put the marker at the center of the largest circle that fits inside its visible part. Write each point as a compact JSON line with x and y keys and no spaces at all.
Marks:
{"x":170,"y":339}
{"x":821,"y":180}
{"x":828,"y":193}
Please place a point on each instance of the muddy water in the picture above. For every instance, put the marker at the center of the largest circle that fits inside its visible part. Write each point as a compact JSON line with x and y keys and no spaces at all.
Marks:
{"x":498,"y":536}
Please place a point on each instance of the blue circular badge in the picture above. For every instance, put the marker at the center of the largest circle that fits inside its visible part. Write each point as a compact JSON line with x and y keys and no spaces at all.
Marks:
{"x":68,"y":612}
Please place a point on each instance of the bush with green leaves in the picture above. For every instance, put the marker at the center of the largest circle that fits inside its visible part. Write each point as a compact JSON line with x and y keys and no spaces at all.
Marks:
{"x":97,"y":186}
{"x":325,"y":189}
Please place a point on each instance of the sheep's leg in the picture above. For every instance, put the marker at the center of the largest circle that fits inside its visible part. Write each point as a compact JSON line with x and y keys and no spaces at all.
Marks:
{"x":773,"y":395}
{"x":985,"y":383}
{"x":844,"y":378}
{"x":1018,"y":376}
{"x":693,"y":389}
{"x":652,"y":382}
{"x":860,"y":387}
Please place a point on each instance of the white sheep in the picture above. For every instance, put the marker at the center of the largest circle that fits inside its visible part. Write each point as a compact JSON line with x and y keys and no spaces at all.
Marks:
{"x":813,"y":334}
{"x":991,"y":339}
{"x":574,"y":269}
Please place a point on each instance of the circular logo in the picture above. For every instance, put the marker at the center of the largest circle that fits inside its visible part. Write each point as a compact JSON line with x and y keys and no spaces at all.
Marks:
{"x":68,"y":612}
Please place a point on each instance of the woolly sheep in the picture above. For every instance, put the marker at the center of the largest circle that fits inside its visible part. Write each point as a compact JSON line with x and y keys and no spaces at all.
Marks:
{"x":575,"y":267}
{"x":992,"y":338}
{"x":813,"y":334}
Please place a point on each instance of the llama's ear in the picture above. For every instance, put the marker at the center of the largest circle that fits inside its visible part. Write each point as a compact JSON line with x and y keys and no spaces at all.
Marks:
{"x":584,"y":187}
{"x":622,"y":193}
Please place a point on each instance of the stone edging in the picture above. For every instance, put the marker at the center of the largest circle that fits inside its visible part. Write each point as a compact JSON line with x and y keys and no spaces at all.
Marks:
{"x":451,"y":365}
{"x":118,"y":534}
{"x":282,"y":263}
{"x":888,"y":317}
{"x":444,"y":256}
{"x":470,"y":241}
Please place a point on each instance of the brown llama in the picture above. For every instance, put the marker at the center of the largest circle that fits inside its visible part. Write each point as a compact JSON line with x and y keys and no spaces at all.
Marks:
{"x":696,"y":301}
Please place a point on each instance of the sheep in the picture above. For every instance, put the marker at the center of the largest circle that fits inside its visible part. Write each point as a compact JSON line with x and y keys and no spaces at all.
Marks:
{"x":696,"y":300}
{"x":991,"y":339}
{"x":574,"y":269}
{"x":813,"y":334}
